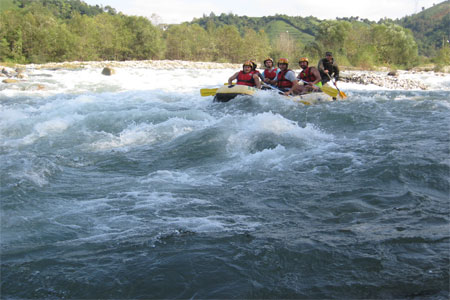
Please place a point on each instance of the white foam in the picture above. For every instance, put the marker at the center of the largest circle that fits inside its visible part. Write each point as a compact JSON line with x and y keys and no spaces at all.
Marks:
{"x":146,"y":134}
{"x":53,"y":126}
{"x":10,"y":119}
{"x":252,"y":127}
{"x":26,"y":135}
{"x":175,"y":177}
{"x":213,"y":223}
{"x":174,"y":76}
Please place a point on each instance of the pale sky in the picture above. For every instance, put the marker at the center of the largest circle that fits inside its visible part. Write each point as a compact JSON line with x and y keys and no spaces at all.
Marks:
{"x":177,"y":11}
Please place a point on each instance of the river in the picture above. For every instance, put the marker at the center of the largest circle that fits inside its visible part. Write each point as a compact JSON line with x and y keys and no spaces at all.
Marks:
{"x":133,"y":186}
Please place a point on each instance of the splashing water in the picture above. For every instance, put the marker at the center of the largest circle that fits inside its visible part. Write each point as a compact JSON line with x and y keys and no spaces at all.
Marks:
{"x":134,"y":186}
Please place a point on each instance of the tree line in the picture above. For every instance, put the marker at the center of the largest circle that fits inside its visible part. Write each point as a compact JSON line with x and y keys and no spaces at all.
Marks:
{"x":69,"y":30}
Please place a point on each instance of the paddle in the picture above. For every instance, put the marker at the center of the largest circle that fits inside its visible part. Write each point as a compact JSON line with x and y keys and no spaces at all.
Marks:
{"x":342,"y":94}
{"x":282,"y":93}
{"x":272,"y":87}
{"x":208,"y":92}
{"x":327,"y":90}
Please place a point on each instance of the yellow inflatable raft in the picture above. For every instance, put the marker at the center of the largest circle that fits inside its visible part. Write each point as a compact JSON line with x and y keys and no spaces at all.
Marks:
{"x":226,"y":93}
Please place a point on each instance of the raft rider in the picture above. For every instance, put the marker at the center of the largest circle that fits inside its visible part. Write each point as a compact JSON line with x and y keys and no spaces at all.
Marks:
{"x":269,"y":72}
{"x":256,"y":71}
{"x":310,"y":76}
{"x":328,"y":68}
{"x":246,"y":77}
{"x":285,"y":80}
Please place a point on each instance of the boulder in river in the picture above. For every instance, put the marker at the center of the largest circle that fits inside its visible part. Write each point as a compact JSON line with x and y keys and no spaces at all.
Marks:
{"x":8,"y":72}
{"x":393,"y":73}
{"x":108,"y":71}
{"x":9,"y":80}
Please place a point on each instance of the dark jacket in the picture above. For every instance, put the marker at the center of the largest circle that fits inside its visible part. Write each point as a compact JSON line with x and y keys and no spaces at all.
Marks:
{"x":333,"y":70}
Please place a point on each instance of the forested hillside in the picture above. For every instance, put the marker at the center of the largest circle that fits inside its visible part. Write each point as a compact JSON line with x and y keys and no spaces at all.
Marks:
{"x":40,"y":31}
{"x":431,"y":27}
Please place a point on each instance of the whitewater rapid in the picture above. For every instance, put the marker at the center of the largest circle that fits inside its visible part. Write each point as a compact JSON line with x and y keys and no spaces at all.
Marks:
{"x":134,"y":186}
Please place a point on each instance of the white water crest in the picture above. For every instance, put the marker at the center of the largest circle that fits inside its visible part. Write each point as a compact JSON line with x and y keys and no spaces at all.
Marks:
{"x":158,"y":102}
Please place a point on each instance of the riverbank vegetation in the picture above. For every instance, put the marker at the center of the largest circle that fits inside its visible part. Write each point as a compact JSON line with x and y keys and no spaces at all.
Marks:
{"x":70,"y":30}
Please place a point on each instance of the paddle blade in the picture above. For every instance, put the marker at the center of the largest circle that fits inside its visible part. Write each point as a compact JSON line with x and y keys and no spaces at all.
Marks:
{"x":208,"y":92}
{"x":329,"y":91}
{"x":342,"y":94}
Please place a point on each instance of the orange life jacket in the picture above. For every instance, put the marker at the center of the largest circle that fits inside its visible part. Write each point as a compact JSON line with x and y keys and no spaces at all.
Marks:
{"x":270,"y":74}
{"x":282,"y":82}
{"x":307,"y":75}
{"x":245,"y":78}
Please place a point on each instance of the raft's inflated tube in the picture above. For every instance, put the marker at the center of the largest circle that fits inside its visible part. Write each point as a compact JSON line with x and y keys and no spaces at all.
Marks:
{"x":226,"y":93}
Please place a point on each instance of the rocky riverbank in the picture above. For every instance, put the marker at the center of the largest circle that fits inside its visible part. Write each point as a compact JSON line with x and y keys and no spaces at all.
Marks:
{"x":389,"y":80}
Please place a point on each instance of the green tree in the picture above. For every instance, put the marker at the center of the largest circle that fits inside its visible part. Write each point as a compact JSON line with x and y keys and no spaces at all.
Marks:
{"x":358,"y":46}
{"x":86,"y":37}
{"x":115,"y":37}
{"x":11,"y":36}
{"x":32,"y":34}
{"x":314,"y":51}
{"x":5,"y":52}
{"x":230,"y":43}
{"x":44,"y":38}
{"x":285,"y":46}
{"x":178,"y":42}
{"x":442,"y":59}
{"x":257,"y":45}
{"x":146,"y":40}
{"x":333,"y":35}
{"x":188,"y":42}
{"x":394,"y":45}
{"x":201,"y":43}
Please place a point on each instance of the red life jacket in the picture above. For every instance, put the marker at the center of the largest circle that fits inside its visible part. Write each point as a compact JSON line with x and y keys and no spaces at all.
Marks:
{"x":307,"y":75}
{"x":245,"y":78}
{"x":282,"y":82}
{"x":270,"y":74}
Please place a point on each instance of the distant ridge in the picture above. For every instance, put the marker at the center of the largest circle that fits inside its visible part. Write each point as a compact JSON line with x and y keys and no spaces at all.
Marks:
{"x":430,"y":27}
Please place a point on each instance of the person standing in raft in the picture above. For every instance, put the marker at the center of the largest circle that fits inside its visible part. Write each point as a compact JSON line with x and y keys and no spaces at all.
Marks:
{"x":246,"y":77}
{"x":328,"y":68}
{"x":285,"y":79}
{"x":269,"y":72}
{"x":310,"y":76}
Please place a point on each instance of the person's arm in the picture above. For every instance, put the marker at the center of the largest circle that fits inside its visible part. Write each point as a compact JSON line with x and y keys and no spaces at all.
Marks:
{"x":230,"y":80}
{"x":300,"y":80}
{"x":294,"y":87}
{"x":257,"y":81}
{"x":261,"y":76}
{"x":316,"y":74}
{"x":336,"y":72}
{"x":320,"y":66}
{"x":291,"y":77}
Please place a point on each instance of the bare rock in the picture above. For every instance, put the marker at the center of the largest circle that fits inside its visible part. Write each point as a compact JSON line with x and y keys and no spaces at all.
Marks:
{"x":22,"y":75}
{"x":9,"y":80}
{"x":9,"y":72}
{"x":108,"y":71}
{"x":390,"y":82}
